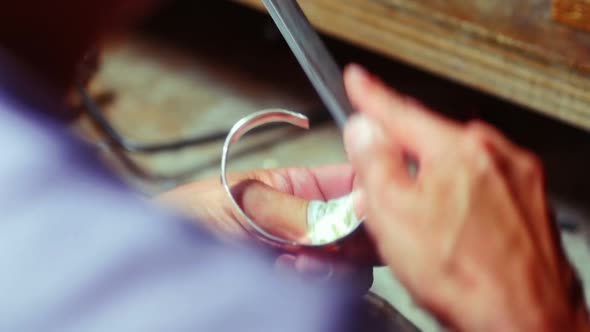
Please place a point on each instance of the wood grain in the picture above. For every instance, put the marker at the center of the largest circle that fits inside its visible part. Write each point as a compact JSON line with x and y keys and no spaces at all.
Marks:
{"x":511,"y":49}
{"x":575,"y":13}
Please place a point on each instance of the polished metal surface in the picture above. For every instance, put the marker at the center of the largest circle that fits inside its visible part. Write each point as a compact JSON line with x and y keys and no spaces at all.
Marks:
{"x":240,"y":129}
{"x":314,"y":57}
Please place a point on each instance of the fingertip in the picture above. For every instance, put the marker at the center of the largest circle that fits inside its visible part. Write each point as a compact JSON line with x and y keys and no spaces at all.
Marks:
{"x":372,"y":96}
{"x":356,"y":80}
{"x":360,"y":82}
{"x":355,"y":73}
{"x":377,"y":159}
{"x":362,"y":135}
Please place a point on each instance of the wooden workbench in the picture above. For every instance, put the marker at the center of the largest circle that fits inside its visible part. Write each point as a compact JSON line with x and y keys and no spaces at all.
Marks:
{"x":511,"y":49}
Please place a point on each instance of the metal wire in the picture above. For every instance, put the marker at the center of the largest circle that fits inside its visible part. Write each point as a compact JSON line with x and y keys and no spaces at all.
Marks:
{"x":128,"y":145}
{"x":120,"y":146}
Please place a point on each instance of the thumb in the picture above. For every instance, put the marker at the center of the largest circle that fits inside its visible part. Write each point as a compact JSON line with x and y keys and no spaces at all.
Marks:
{"x":278,"y":213}
{"x":383,"y":175}
{"x":377,"y":160}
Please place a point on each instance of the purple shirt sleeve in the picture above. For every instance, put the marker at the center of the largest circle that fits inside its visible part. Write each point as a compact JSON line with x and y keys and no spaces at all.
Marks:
{"x":80,"y":252}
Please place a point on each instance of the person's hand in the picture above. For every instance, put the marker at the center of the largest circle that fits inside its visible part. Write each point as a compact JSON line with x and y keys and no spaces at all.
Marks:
{"x":277,"y":200}
{"x":471,"y":234}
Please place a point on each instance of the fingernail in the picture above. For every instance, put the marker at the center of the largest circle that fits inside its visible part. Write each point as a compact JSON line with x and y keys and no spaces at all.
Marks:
{"x":361,"y":133}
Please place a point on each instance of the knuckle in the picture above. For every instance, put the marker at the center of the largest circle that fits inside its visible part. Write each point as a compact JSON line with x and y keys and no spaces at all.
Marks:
{"x":411,"y":101}
{"x":474,"y":143}
{"x":277,"y":180}
{"x":530,"y":165}
{"x":446,"y":262}
{"x":477,"y":152}
{"x":481,"y":129}
{"x":477,"y":133}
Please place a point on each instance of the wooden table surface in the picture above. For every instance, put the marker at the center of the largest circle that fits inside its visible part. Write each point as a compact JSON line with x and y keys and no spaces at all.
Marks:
{"x":510,"y":49}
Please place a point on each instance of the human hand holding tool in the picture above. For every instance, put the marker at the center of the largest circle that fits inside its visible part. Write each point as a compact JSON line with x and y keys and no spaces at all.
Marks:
{"x":471,"y":235}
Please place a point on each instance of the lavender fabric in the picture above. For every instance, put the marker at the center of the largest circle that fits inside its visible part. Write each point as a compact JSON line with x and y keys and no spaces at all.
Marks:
{"x":79,"y":251}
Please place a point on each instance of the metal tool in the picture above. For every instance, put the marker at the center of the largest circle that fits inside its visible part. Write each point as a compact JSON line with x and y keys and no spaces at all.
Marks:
{"x":314,"y":57}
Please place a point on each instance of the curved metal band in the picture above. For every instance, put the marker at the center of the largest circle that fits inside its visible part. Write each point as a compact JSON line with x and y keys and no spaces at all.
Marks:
{"x":240,"y":129}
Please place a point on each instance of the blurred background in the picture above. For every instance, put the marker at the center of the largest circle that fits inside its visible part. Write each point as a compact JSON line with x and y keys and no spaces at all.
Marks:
{"x":197,"y":67}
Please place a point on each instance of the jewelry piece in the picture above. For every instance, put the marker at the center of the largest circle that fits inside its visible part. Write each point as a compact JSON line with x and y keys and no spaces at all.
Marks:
{"x":329,"y":223}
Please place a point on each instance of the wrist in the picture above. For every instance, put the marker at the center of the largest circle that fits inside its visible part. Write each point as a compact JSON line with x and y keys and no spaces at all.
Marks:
{"x":567,"y":313}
